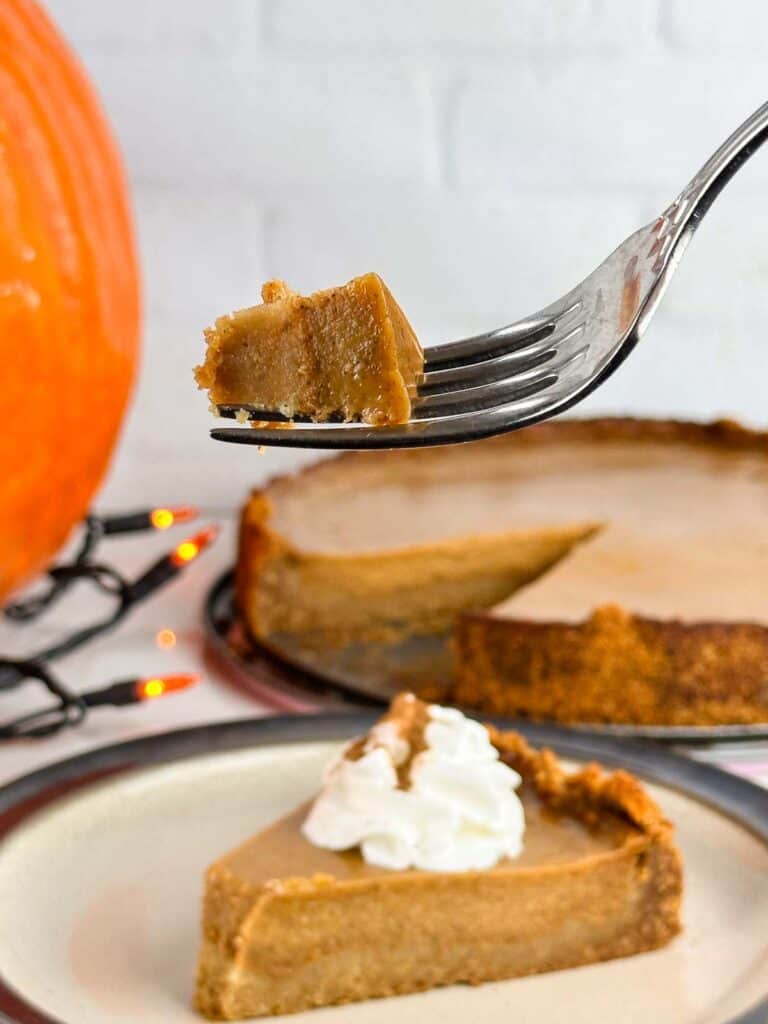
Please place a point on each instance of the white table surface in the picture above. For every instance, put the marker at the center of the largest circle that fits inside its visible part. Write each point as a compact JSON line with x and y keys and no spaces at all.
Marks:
{"x":131,"y":650}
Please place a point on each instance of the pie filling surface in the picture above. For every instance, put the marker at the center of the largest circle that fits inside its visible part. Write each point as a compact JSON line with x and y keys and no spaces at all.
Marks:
{"x":682,"y":526}
{"x":281,"y":851}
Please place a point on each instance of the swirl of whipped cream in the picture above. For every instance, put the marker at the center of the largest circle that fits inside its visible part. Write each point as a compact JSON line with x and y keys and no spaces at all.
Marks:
{"x":443,"y":803}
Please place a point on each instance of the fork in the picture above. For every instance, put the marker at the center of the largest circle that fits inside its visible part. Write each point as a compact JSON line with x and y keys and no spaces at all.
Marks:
{"x":545,"y":363}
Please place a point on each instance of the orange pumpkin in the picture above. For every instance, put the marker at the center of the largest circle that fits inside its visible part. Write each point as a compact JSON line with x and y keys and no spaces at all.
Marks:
{"x":69,"y":293}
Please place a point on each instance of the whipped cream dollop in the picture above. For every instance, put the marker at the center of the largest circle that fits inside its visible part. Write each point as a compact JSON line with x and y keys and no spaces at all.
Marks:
{"x":433,"y":796}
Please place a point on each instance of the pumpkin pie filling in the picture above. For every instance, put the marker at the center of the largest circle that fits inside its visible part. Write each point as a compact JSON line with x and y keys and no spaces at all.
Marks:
{"x":288,"y":925}
{"x":346,"y":352}
{"x":604,"y":570}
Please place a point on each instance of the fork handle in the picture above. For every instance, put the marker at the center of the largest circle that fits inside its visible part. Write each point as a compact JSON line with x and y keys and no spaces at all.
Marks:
{"x":701,"y":191}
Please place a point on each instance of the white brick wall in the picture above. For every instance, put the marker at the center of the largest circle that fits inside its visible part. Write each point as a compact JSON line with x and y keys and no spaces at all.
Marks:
{"x":714,"y":28}
{"x":482,"y":156}
{"x":437,"y":26}
{"x":261,"y":121}
{"x":642,"y":122}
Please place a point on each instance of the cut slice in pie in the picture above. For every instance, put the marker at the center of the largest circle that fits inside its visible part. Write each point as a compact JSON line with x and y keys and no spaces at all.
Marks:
{"x":346,"y":353}
{"x":288,"y":926}
{"x":603,"y":570}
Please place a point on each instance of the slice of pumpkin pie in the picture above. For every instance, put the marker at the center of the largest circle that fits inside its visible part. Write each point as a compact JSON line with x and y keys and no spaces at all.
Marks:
{"x":437,"y":852}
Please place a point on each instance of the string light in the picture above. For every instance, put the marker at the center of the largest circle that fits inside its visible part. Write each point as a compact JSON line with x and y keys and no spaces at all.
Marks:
{"x":185,"y":552}
{"x":170,"y":565}
{"x":70,"y":709}
{"x":189,"y":549}
{"x":133,"y":691}
{"x":61,"y":577}
{"x":125,"y":593}
{"x":163,"y":518}
{"x":159,"y":686}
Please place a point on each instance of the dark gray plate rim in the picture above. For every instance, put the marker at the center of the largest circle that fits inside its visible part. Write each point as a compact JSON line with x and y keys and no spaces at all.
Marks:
{"x":736,"y":798}
{"x":300,"y":681}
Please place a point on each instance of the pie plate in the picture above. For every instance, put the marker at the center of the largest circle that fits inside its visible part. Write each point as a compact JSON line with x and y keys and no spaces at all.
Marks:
{"x":102,"y":859}
{"x":366,"y":674}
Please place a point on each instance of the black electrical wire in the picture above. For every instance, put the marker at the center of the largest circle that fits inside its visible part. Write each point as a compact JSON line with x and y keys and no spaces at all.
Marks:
{"x":108,"y":580}
{"x":61,"y":577}
{"x":70,"y":708}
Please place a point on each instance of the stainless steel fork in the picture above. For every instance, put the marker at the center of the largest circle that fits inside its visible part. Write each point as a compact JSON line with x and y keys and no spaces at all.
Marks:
{"x":549,"y":361}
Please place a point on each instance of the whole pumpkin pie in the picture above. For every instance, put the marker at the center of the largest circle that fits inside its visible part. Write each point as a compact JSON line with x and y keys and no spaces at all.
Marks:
{"x":289,"y":924}
{"x":597,"y":570}
{"x":346,"y":352}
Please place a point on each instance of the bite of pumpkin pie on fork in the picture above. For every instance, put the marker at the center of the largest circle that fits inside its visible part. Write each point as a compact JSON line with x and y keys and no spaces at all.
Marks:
{"x":344,"y":354}
{"x":347,"y":360}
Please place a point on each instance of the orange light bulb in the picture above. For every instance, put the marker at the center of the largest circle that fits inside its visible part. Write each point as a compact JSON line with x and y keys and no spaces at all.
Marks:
{"x":163,"y":518}
{"x":189,"y":549}
{"x":186,"y":551}
{"x":159,"y":686}
{"x":153,"y":688}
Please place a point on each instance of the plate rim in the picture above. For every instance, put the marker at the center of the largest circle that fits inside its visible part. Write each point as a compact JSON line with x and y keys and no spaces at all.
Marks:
{"x":736,"y":798}
{"x":291,"y":677}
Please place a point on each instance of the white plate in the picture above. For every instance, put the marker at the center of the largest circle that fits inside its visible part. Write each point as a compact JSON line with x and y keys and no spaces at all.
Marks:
{"x":100,"y":891}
